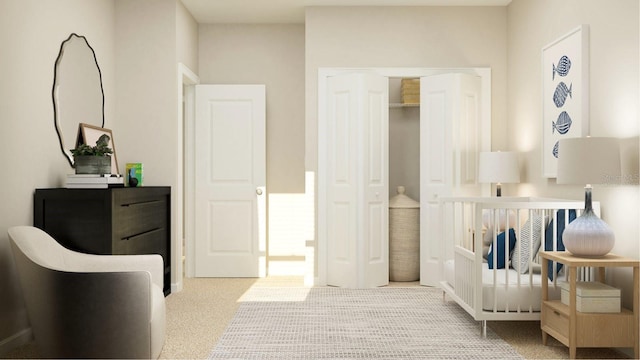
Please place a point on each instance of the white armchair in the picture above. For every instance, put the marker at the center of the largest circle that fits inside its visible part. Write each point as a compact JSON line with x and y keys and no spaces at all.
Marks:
{"x":89,"y":306}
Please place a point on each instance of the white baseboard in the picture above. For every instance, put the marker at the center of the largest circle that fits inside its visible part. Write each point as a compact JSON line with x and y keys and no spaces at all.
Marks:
{"x":16,"y":340}
{"x":176,"y":287}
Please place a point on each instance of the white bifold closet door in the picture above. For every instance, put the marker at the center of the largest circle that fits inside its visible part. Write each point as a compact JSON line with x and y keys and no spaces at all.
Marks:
{"x":451,"y":136}
{"x":357,"y":152}
{"x":353,"y":171}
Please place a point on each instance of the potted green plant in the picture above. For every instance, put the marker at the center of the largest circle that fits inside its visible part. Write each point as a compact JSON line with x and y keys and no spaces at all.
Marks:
{"x":93,"y":159}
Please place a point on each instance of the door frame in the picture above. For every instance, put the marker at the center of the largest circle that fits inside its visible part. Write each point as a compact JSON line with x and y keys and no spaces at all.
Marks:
{"x":186,"y":171}
{"x":184,"y":194}
{"x":391,"y":72}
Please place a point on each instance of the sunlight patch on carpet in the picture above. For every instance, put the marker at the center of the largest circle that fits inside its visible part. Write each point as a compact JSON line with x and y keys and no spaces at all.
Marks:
{"x":258,"y":295}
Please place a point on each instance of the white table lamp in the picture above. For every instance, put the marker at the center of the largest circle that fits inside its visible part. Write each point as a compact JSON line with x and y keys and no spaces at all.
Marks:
{"x":588,"y":161}
{"x":498,"y":167}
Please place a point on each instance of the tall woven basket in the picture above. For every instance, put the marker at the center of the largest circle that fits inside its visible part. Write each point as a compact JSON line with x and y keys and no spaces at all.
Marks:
{"x":404,"y":237}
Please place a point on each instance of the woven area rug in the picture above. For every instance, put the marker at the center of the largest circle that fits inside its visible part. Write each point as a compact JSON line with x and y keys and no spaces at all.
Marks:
{"x":337,"y":323}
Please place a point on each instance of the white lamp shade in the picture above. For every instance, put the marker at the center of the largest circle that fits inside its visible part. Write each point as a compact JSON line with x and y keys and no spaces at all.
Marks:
{"x":588,"y":160}
{"x":498,"y":167}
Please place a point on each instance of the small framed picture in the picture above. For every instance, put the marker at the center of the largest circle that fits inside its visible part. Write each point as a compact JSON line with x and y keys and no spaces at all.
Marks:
{"x":89,"y":134}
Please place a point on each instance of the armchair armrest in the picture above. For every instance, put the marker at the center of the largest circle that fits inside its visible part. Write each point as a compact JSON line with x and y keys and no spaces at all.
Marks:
{"x":81,"y":262}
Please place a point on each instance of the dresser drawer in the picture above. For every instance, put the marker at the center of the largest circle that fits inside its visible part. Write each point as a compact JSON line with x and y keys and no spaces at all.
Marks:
{"x":133,"y":219}
{"x":555,"y":320}
{"x":151,"y":242}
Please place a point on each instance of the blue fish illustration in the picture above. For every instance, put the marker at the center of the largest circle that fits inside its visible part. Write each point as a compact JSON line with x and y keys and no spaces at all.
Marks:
{"x":561,"y":93}
{"x":555,"y":149}
{"x":563,"y":124}
{"x":564,"y":65}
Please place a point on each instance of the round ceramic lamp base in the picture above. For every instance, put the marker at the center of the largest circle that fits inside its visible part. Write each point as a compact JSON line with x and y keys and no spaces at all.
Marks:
{"x":588,"y":236}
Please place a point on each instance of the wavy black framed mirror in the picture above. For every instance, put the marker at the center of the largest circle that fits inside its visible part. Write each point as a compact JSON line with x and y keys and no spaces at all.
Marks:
{"x":77,"y":93}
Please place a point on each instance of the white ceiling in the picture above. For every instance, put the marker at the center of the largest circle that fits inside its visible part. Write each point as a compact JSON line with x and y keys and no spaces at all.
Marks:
{"x":292,"y":11}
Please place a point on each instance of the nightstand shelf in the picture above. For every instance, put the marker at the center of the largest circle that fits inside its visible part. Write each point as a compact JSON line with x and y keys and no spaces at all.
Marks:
{"x":581,"y":329}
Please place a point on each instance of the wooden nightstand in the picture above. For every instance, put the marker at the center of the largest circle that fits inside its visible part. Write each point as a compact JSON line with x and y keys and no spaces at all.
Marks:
{"x":577,"y":329}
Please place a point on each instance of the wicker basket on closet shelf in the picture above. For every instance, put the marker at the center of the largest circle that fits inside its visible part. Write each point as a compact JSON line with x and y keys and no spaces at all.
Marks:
{"x":410,"y":91}
{"x":404,"y":238}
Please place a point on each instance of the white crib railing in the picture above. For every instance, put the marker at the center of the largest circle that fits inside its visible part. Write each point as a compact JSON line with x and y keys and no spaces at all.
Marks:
{"x":498,"y":294}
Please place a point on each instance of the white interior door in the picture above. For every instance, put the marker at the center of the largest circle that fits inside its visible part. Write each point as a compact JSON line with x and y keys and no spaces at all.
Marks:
{"x":451,"y":136}
{"x":355,"y":176}
{"x":230,"y":181}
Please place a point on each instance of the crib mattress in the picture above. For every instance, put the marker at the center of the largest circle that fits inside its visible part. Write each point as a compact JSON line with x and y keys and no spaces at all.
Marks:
{"x":507,"y":295}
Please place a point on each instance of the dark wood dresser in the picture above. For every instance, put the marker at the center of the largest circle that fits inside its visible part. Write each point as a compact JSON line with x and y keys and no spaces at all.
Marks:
{"x":114,"y":221}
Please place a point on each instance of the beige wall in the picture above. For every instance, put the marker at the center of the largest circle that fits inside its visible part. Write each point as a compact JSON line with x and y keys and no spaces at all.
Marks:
{"x":613,"y":100}
{"x":429,"y":37}
{"x":152,"y":36}
{"x":404,"y":145}
{"x":137,"y":44}
{"x":146,"y":87}
{"x":272,"y":55}
{"x":186,"y":38}
{"x":31,"y":32}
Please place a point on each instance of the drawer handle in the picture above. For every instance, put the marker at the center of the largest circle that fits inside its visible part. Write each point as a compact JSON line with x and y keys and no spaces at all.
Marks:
{"x":140,"y":234}
{"x":139,"y":203}
{"x":556,"y":312}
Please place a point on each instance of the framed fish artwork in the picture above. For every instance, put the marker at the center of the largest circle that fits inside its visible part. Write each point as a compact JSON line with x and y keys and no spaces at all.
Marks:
{"x":565,"y":94}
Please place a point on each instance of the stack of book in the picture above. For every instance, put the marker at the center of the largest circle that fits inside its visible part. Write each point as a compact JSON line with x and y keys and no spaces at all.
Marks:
{"x":94,"y":181}
{"x":410,"y":91}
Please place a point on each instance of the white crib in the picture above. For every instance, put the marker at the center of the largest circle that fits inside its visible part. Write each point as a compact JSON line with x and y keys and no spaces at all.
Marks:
{"x":512,"y":292}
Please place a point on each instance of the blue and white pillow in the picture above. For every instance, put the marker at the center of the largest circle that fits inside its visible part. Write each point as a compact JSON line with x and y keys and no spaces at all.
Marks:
{"x":548,"y":239}
{"x":501,"y":242}
{"x":528,"y":243}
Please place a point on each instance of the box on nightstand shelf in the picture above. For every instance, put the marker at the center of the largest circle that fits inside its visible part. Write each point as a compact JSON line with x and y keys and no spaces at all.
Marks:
{"x":593,"y":297}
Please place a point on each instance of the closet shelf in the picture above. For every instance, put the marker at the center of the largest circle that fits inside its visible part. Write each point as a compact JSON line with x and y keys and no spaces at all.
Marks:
{"x":401,"y":105}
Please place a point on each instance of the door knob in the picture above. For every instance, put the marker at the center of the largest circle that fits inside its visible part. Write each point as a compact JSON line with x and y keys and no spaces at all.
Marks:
{"x":259,"y":191}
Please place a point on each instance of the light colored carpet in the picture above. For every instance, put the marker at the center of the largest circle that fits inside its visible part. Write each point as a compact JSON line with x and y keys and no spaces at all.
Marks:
{"x":338,"y":323}
{"x":198,"y":316}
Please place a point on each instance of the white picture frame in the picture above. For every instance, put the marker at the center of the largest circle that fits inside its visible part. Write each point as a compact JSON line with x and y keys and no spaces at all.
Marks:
{"x":89,"y":134}
{"x":565,"y":94}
